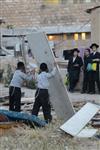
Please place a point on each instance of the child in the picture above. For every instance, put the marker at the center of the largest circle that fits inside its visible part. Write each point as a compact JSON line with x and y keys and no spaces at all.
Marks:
{"x":86,"y":72}
{"x":42,"y":95}
{"x":15,"y":87}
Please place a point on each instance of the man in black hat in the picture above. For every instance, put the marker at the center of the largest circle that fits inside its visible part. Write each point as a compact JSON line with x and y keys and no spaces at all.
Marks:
{"x":74,"y":66}
{"x":95,"y":58}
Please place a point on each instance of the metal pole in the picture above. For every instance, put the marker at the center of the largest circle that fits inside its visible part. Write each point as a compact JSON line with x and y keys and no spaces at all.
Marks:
{"x":0,"y":40}
{"x":23,"y":51}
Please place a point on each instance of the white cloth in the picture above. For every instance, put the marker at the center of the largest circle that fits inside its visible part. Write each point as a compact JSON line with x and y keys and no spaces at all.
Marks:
{"x":74,"y":59}
{"x":18,"y":47}
{"x":42,"y":79}
{"x":19,"y":77}
{"x":94,"y":53}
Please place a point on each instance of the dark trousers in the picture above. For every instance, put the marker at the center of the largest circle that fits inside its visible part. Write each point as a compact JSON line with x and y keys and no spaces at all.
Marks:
{"x":73,"y":79}
{"x":15,"y":99}
{"x":95,"y":80}
{"x":42,"y":99}
{"x":87,"y":82}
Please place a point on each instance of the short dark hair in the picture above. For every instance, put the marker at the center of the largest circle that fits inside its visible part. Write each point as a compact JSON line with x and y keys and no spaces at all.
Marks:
{"x":20,"y":65}
{"x":88,"y":49}
{"x":43,"y":67}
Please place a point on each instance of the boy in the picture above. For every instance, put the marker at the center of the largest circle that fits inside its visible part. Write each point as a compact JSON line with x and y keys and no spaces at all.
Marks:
{"x":15,"y":87}
{"x":42,"y":95}
{"x":86,"y":73}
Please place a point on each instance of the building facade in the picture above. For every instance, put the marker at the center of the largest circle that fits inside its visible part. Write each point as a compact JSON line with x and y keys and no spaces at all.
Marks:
{"x":65,"y":21}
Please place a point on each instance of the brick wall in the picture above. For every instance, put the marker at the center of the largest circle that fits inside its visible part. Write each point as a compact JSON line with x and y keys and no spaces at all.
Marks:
{"x":29,"y":13}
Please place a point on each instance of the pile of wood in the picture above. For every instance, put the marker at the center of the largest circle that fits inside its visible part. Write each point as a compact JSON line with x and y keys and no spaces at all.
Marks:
{"x":96,"y":120}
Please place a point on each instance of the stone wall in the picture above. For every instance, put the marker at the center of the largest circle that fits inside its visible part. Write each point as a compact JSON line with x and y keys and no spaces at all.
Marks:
{"x":29,"y":13}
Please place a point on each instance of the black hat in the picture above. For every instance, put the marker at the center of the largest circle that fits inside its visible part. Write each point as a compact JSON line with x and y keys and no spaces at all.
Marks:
{"x":76,"y":50}
{"x":94,"y":44}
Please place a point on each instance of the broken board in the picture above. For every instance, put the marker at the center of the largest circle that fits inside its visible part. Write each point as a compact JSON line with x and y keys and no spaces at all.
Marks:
{"x":58,"y":93}
{"x":75,"y":125}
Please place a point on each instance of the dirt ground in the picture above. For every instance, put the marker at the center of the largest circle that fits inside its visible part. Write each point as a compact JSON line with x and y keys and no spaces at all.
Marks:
{"x":48,"y":138}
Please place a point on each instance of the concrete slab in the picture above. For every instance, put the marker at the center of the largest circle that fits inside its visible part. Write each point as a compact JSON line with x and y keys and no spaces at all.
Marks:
{"x":58,"y":93}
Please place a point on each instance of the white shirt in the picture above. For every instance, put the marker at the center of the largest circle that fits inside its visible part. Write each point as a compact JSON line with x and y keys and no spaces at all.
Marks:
{"x":19,"y":77}
{"x":74,"y":59}
{"x":42,"y":79}
{"x":94,"y":53}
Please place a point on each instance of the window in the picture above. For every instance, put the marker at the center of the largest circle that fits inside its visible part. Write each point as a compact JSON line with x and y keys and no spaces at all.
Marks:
{"x":55,"y":37}
{"x":64,"y":36}
{"x":52,"y":1}
{"x":76,"y":37}
{"x":83,"y":36}
{"x":50,"y":37}
{"x":87,"y":1}
{"x":67,"y":1}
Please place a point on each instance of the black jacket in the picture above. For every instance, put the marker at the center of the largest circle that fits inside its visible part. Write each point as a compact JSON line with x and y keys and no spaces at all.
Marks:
{"x":95,"y":56}
{"x":87,"y":60}
{"x":71,"y":65}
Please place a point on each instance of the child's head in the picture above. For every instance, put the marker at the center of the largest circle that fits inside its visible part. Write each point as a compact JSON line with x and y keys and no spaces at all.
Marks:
{"x":43,"y":67}
{"x":87,"y":52}
{"x":21,"y":66}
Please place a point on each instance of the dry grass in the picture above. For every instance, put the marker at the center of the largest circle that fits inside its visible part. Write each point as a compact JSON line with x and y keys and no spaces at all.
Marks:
{"x":49,"y":138}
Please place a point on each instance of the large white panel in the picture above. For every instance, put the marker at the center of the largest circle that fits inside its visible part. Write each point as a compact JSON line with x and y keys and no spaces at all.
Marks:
{"x":58,"y":94}
{"x":87,"y":133}
{"x":76,"y":123}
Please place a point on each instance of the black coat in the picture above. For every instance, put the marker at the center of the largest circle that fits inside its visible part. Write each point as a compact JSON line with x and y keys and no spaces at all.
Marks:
{"x":87,"y":60}
{"x":95,"y":56}
{"x":73,"y":70}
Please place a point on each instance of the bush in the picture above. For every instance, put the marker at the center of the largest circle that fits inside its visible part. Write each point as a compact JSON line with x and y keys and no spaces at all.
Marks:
{"x":8,"y":77}
{"x":31,"y":84}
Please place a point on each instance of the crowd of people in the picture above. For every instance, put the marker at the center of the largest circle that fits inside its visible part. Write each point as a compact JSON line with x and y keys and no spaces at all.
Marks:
{"x":90,"y":67}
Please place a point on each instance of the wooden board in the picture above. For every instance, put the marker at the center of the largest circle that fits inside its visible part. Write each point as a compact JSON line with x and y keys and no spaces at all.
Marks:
{"x":58,"y":94}
{"x":76,"y":123}
{"x":7,"y":125}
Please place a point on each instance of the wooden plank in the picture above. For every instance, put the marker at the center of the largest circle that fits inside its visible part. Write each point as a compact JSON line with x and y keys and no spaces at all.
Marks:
{"x":7,"y":125}
{"x":96,"y":124}
{"x":76,"y":123}
{"x":58,"y":93}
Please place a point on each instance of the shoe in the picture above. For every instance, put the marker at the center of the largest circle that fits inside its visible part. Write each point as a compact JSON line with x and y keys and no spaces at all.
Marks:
{"x":82,"y":92}
{"x":91,"y":92}
{"x":71,"y":91}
